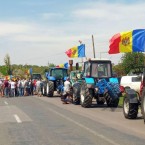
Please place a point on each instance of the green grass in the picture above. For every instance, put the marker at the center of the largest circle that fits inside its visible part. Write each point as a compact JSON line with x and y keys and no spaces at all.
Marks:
{"x":121,"y":101}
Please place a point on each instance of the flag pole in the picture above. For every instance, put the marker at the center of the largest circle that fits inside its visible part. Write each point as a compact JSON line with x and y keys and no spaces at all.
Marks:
{"x":93,"y":46}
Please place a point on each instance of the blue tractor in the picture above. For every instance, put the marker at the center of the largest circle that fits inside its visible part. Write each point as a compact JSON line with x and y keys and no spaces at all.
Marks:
{"x":97,"y":83}
{"x":55,"y":78}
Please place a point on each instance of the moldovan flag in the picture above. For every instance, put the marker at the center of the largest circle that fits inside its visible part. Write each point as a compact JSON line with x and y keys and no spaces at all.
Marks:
{"x":29,"y":71}
{"x":77,"y":51}
{"x":130,"y":41}
{"x":65,"y":65}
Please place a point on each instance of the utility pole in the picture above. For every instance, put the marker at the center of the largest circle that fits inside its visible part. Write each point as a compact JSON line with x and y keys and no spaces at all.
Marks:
{"x":93,"y":46}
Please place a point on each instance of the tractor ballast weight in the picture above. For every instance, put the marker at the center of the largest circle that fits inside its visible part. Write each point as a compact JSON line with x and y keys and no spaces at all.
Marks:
{"x":131,"y":95}
{"x":55,"y":78}
{"x":98,"y":83}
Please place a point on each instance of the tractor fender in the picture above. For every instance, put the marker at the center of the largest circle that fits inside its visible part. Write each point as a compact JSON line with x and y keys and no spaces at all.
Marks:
{"x":90,"y":82}
{"x":132,"y":95}
{"x":51,"y":78}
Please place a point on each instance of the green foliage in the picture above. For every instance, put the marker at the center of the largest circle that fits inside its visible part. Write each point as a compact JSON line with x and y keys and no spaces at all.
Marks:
{"x":51,"y":65}
{"x":20,"y":70}
{"x":121,"y":101}
{"x":8,"y":64}
{"x":3,"y":70}
{"x":119,"y":69}
{"x":132,"y":60}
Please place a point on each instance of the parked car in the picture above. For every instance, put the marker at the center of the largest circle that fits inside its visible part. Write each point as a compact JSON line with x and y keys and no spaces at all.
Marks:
{"x":133,"y":82}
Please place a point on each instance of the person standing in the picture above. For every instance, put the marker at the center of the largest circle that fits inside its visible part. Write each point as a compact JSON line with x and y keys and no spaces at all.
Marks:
{"x":19,"y":87}
{"x":6,"y":88}
{"x":1,"y":88}
{"x":22,"y":86}
{"x":31,"y":87}
{"x":38,"y":88}
{"x":34,"y":86}
{"x":13,"y":86}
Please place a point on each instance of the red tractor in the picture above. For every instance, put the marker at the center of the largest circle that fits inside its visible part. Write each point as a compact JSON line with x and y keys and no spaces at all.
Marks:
{"x":134,"y":100}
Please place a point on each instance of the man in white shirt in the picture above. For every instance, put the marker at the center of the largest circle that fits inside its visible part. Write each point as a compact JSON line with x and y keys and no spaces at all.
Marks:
{"x":66,"y":97}
{"x":13,"y":85}
{"x":38,"y":88}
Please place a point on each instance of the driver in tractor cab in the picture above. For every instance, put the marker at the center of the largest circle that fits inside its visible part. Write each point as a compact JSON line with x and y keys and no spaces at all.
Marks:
{"x":67,"y":96}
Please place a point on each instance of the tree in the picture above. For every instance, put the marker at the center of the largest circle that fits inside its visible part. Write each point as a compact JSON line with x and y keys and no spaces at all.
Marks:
{"x":118,"y":69}
{"x":8,"y":64}
{"x":18,"y":73}
{"x":51,"y":65}
{"x":132,"y":60}
{"x":3,"y":70}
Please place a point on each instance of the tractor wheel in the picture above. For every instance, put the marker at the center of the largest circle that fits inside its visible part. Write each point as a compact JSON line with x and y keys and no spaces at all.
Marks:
{"x":86,"y":96}
{"x":44,"y":89}
{"x":143,"y":105}
{"x":110,"y":101}
{"x":76,"y":93}
{"x":130,"y":110}
{"x":115,"y":103}
{"x":49,"y":89}
{"x":112,"y":95}
{"x":100,"y":100}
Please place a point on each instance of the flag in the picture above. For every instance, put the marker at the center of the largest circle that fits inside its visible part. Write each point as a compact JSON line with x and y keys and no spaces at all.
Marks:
{"x":29,"y":71}
{"x":60,"y":65}
{"x":130,"y":41}
{"x":65,"y":65}
{"x":77,"y":51}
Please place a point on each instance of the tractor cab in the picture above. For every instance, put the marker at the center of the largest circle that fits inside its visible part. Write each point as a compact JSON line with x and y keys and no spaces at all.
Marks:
{"x":97,"y":69}
{"x":36,"y":76}
{"x":58,"y":73}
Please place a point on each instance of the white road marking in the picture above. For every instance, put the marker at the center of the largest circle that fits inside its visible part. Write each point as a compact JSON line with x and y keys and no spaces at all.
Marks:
{"x":17,"y":118}
{"x":6,"y":102}
{"x":86,"y":128}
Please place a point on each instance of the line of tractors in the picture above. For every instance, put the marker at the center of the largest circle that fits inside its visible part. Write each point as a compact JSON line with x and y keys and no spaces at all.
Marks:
{"x":95,"y":82}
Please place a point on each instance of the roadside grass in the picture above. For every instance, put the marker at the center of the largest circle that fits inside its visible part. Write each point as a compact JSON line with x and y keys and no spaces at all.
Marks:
{"x":121,"y":101}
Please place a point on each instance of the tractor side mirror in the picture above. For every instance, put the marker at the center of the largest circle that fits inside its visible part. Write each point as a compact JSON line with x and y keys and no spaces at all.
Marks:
{"x":46,"y":70}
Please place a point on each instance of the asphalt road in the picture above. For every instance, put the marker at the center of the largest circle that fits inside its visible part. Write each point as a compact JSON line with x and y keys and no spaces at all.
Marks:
{"x":46,"y":121}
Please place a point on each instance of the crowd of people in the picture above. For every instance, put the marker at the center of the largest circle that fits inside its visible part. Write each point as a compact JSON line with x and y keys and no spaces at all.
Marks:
{"x":20,"y":87}
{"x":27,"y":87}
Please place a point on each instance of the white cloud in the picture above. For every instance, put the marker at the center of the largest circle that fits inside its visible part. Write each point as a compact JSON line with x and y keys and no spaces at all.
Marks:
{"x":47,"y":16}
{"x":37,"y":42}
{"x":7,"y":28}
{"x":47,"y":38}
{"x":89,"y":13}
{"x":110,"y":11}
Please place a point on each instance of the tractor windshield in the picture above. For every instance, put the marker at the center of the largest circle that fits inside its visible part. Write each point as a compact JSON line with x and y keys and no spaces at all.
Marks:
{"x":101,"y":70}
{"x":87,"y":69}
{"x":59,"y":73}
{"x":36,"y":76}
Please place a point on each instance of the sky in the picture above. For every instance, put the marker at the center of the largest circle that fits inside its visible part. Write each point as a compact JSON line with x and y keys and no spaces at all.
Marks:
{"x":38,"y":32}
